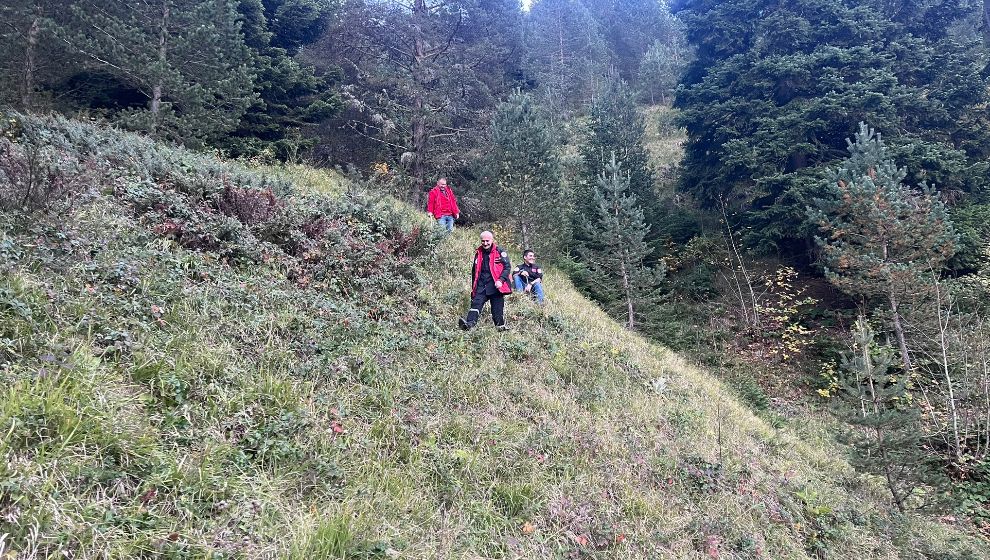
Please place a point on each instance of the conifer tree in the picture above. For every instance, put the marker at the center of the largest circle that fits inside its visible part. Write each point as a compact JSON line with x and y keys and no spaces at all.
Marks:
{"x":187,"y":58}
{"x":660,"y":69}
{"x":616,"y":130}
{"x":616,"y":250}
{"x":29,"y":49}
{"x":776,"y":87}
{"x":566,"y":54}
{"x":885,"y":429}
{"x":525,"y":175}
{"x":291,"y":97}
{"x":881,"y":238}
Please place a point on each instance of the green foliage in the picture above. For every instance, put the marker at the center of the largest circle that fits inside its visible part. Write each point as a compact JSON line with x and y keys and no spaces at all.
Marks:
{"x":186,"y":59}
{"x":885,"y":435}
{"x":616,"y":250}
{"x":291,"y":97}
{"x":525,"y":179}
{"x":776,"y":88}
{"x":421,"y":81}
{"x":660,"y":70}
{"x":881,"y":237}
{"x":616,"y":131}
{"x":566,"y":54}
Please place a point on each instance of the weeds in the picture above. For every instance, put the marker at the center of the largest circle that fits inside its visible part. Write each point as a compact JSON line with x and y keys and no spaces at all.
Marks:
{"x":209,"y":360}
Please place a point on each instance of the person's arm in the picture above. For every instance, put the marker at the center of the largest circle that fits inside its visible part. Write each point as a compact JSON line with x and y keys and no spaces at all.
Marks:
{"x":431,"y":204}
{"x":453,"y":200}
{"x":506,"y":266}
{"x":536,"y":276}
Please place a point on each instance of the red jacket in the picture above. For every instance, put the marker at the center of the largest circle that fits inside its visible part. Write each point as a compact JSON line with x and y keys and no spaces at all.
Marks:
{"x":498,"y":261}
{"x":442,"y":204}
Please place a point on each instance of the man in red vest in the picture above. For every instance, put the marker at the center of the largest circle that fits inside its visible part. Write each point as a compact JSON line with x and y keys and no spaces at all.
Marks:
{"x":489,"y":282}
{"x":442,"y":205}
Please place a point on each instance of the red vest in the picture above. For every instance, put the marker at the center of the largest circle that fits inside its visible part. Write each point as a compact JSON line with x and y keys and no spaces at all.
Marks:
{"x":496,"y":267}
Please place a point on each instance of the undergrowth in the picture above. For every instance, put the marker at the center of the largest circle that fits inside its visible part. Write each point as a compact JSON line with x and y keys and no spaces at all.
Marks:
{"x":203,"y":359}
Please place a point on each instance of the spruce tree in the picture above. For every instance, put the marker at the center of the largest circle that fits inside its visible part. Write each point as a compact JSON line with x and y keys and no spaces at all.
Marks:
{"x":616,"y":130}
{"x":616,"y":250}
{"x":187,"y":58}
{"x":776,"y":87}
{"x":885,"y":434}
{"x":291,"y":97}
{"x":881,"y":238}
{"x":524,"y":172}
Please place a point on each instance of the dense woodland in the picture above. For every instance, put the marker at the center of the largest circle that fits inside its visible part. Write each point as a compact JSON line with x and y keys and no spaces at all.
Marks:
{"x":823,"y":242}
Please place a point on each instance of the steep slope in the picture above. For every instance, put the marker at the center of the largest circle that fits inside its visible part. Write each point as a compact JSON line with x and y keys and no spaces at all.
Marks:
{"x":206,"y":360}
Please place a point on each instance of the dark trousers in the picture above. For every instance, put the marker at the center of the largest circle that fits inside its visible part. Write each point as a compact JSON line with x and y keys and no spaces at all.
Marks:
{"x":478,"y":303}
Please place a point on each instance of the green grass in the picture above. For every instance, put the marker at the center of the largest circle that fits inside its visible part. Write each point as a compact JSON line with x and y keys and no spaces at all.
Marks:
{"x":162,"y":399}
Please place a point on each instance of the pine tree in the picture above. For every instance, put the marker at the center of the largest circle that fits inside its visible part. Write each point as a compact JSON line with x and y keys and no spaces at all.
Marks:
{"x":616,"y":250}
{"x":566,"y":54}
{"x":776,"y":87}
{"x":616,"y":129}
{"x":524,"y":172}
{"x":30,"y":51}
{"x":423,"y":78}
{"x":187,"y":58}
{"x":291,"y":97}
{"x":660,"y":70}
{"x":881,"y":238}
{"x":885,"y":435}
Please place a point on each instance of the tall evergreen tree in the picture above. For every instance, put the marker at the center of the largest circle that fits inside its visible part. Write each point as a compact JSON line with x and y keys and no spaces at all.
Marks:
{"x":566,"y":55}
{"x":630,"y":28}
{"x":422,"y":78}
{"x":30,"y":49}
{"x":616,"y":130}
{"x":525,"y":176}
{"x":660,"y":70}
{"x":291,"y":97}
{"x":616,"y":251}
{"x":881,"y":238}
{"x":885,"y":437}
{"x":186,"y":58}
{"x":776,"y":88}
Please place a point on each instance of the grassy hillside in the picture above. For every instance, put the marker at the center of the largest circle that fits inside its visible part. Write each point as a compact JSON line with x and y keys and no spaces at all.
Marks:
{"x":204,"y":360}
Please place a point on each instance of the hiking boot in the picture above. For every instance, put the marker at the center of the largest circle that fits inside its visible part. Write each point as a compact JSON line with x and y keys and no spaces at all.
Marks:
{"x":502,"y":327}
{"x":464,"y":324}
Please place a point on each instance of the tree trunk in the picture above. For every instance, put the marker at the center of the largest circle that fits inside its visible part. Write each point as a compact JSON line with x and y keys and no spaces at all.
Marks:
{"x":420,"y":135}
{"x":631,"y":322}
{"x":899,"y":331}
{"x":525,"y":235}
{"x":30,"y":53}
{"x":158,"y":89}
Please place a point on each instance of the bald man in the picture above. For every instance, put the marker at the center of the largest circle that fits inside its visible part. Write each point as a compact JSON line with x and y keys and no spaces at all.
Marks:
{"x":489,"y":282}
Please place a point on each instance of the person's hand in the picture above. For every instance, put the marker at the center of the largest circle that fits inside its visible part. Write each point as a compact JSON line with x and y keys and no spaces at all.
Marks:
{"x":524,"y":273}
{"x":498,"y":283}
{"x":528,"y":288}
{"x":457,"y":216}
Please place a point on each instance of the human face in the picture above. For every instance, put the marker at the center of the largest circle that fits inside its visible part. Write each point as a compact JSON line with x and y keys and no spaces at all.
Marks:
{"x":487,"y":240}
{"x":442,"y":183}
{"x":529,"y":257}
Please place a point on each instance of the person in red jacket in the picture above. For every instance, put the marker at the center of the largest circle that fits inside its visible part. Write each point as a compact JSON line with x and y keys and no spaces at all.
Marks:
{"x":442,"y":205}
{"x":489,"y":282}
